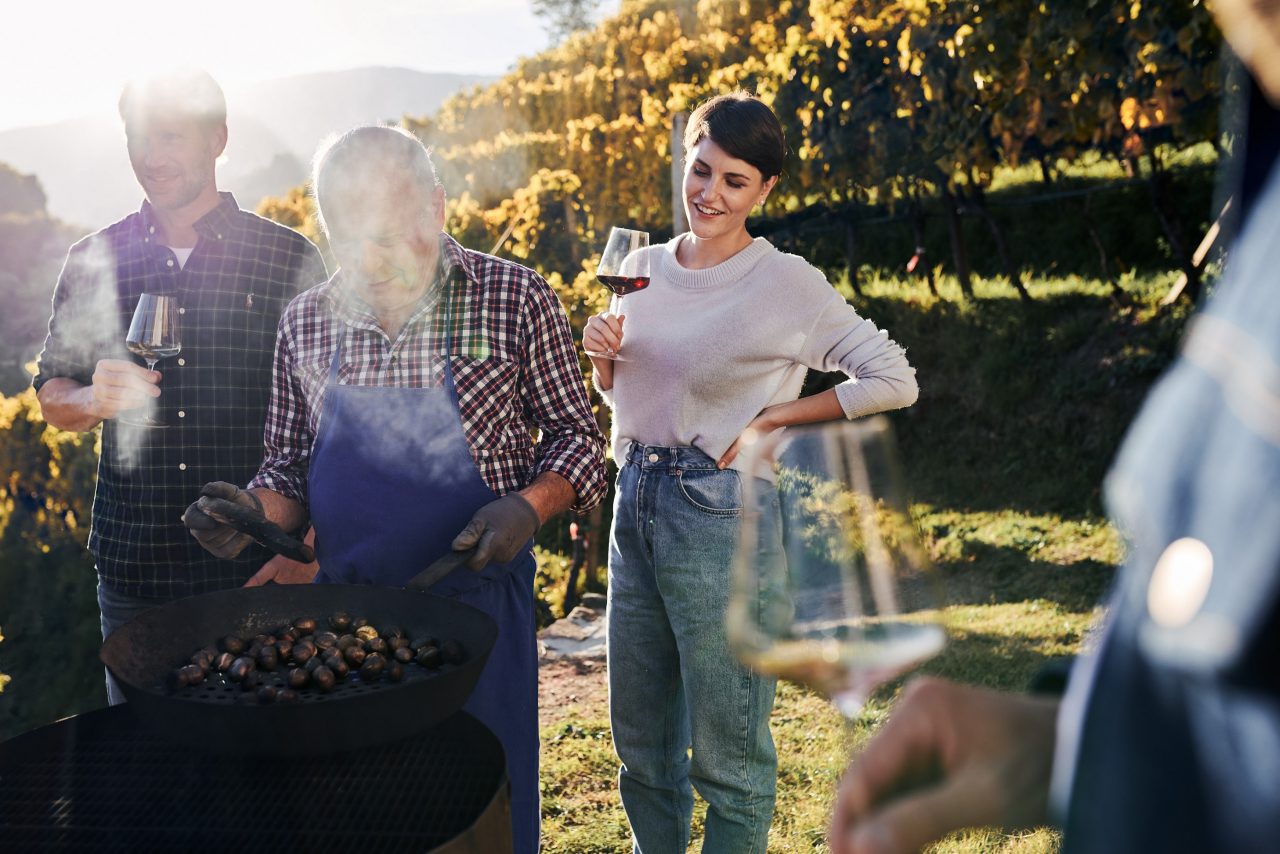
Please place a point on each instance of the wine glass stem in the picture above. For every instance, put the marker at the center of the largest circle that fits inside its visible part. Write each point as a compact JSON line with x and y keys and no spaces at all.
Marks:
{"x":151,"y":364}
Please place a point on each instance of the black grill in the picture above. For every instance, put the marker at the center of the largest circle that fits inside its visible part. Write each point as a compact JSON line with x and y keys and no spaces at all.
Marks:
{"x":101,"y":782}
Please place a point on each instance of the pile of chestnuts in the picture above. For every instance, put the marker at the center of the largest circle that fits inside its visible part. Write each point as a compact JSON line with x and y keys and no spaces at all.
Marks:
{"x":302,"y":656}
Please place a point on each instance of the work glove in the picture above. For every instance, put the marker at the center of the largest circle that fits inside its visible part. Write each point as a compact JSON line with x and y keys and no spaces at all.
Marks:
{"x":498,"y":530}
{"x":218,"y":538}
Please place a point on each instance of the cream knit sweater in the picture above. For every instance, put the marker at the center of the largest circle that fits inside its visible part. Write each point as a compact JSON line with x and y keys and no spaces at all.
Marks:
{"x":707,"y":350}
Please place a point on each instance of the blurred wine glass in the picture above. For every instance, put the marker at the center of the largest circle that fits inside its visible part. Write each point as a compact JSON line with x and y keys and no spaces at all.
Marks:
{"x":153,"y":335}
{"x":623,"y":269}
{"x":831,"y":588}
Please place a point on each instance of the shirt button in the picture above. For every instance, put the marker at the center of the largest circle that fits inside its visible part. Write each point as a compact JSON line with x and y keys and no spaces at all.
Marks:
{"x":181,"y":310}
{"x":181,"y":362}
{"x":151,"y":230}
{"x":182,"y":413}
{"x":653,"y":458}
{"x":219,"y":236}
{"x":182,"y":466}
{"x":169,"y":263}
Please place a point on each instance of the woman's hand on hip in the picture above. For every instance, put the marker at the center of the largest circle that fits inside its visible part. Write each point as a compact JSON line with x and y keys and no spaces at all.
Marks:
{"x":762,"y":425}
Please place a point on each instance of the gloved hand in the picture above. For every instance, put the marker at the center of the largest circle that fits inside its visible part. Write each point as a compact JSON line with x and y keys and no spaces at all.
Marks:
{"x":218,"y":538}
{"x":498,"y":530}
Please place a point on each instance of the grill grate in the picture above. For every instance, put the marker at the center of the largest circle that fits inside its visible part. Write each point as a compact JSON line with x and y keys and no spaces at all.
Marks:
{"x":101,"y":782}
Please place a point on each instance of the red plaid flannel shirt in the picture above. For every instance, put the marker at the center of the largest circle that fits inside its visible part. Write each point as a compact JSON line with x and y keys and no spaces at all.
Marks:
{"x":513,"y":363}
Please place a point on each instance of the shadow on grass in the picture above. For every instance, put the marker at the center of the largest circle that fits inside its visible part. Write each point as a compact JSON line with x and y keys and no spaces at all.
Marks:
{"x":991,"y":575}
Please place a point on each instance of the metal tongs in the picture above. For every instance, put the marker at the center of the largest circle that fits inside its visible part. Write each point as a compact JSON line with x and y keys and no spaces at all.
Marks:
{"x":262,"y":529}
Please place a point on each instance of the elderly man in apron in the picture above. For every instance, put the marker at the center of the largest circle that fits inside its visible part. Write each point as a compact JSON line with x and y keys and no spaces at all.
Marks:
{"x":406,"y":391}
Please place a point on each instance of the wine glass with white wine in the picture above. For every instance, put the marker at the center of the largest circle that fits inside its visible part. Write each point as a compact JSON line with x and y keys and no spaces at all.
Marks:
{"x":153,"y":335}
{"x":831,"y":588}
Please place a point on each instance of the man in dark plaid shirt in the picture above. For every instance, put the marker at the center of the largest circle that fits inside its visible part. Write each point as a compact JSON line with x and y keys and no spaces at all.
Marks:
{"x":407,"y":391}
{"x":232,"y":274}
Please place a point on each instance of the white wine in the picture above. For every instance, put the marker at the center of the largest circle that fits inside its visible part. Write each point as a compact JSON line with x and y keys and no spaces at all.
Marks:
{"x":153,"y":353}
{"x":847,"y":666}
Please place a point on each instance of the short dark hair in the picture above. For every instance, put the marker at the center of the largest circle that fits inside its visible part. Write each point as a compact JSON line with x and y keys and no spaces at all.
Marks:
{"x":188,"y":92}
{"x":742,"y":125}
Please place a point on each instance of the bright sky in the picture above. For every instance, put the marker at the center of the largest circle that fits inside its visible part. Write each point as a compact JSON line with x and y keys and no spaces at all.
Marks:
{"x":60,"y":58}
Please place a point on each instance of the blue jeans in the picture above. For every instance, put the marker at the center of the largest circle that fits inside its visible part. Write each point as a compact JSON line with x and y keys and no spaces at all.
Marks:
{"x":673,"y":684}
{"x":117,"y":609}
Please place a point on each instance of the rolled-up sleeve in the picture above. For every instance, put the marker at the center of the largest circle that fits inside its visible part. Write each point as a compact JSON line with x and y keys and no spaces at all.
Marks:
{"x":880,"y":377}
{"x":84,"y":322}
{"x":286,"y":437}
{"x":555,"y":397}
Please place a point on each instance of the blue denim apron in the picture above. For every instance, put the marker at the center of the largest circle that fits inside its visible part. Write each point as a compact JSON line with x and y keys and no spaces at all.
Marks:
{"x":391,"y":483}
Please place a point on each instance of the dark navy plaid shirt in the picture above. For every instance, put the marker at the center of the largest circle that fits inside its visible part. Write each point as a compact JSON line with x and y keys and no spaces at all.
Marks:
{"x":513,"y":361}
{"x":231,"y":292}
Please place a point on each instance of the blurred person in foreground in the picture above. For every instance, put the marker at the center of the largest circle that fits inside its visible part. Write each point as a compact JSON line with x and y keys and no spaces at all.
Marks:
{"x":1168,"y":738}
{"x":232,"y":274}
{"x":407,"y":391}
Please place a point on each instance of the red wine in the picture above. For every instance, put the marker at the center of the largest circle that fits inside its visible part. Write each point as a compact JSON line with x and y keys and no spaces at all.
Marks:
{"x":623,"y":285}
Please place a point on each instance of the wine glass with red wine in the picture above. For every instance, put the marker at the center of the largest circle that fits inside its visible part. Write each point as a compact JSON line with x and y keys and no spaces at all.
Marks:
{"x":623,"y":269}
{"x":831,"y":586}
{"x":153,"y":335}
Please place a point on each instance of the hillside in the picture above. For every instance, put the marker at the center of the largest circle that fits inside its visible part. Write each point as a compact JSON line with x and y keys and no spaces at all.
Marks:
{"x":273,"y":126}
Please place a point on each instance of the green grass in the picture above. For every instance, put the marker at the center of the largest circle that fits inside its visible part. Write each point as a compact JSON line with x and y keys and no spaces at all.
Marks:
{"x":1021,"y":411}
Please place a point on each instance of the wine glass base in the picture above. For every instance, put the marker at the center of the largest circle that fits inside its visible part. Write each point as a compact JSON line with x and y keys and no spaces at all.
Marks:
{"x":611,"y":355}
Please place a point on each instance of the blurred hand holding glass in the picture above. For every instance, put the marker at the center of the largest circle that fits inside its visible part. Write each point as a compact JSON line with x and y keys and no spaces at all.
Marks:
{"x":832,"y":589}
{"x":623,"y":269}
{"x":153,"y":335}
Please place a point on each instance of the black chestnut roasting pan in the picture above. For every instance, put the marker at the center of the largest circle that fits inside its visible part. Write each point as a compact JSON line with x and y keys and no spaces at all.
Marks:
{"x":144,"y":653}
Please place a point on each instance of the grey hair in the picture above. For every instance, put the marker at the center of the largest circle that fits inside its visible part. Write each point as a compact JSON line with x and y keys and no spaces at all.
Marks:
{"x":362,"y":155}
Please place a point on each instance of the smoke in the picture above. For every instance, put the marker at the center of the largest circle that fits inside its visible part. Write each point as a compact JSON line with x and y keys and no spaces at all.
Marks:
{"x":89,"y":328}
{"x":398,"y":439}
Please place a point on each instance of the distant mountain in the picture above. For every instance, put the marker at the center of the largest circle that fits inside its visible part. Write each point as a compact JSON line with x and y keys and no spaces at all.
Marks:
{"x":273,"y":126}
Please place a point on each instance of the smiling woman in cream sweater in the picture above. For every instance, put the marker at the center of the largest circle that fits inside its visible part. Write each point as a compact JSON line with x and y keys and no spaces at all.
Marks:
{"x":718,"y":343}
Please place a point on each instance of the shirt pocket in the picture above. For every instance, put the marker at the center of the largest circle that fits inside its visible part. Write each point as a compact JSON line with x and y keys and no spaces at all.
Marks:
{"x":488,"y":398}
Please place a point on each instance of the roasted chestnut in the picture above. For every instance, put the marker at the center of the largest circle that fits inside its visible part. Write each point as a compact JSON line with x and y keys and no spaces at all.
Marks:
{"x":424,"y":641}
{"x":359,"y":622}
{"x":366,"y":632}
{"x":305,"y":625}
{"x":395,"y":643}
{"x":338,"y":665}
{"x":223,"y":662}
{"x":285,"y":647}
{"x":377,"y":645}
{"x":326,"y":640}
{"x":372,"y":668}
{"x":303,"y":650}
{"x":288,"y":695}
{"x":323,"y":678}
{"x":395,"y":671}
{"x":340,"y":621}
{"x":250,"y":681}
{"x":267,"y":694}
{"x":429,"y":656}
{"x":268,"y":658}
{"x":355,"y":655}
{"x":403,"y":655}
{"x":345,"y":641}
{"x":177,"y":679}
{"x":240,"y":668}
{"x":297,"y":678}
{"x":233,"y":644}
